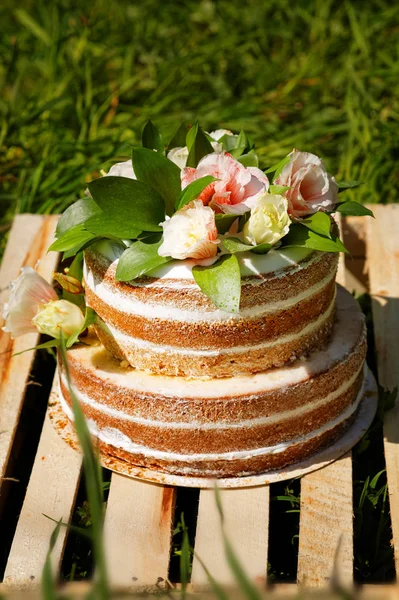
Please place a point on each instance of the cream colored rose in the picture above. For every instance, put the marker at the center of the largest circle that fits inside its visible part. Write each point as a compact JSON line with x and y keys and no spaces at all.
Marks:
{"x":59,"y":315}
{"x":268,"y":222}
{"x":190,"y":233}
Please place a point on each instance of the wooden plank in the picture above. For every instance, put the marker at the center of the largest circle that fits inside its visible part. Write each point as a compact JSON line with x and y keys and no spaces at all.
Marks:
{"x":51,"y":491}
{"x":246,"y":514}
{"x":326,"y":523}
{"x":138,"y":532}
{"x":383,"y":265}
{"x":29,"y":239}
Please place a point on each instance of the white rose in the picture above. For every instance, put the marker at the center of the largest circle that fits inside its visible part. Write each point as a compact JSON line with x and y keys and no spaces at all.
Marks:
{"x":27,"y":293}
{"x":123,"y":169}
{"x":190,"y":233}
{"x":59,"y":315}
{"x":179,"y":155}
{"x":269,"y":220}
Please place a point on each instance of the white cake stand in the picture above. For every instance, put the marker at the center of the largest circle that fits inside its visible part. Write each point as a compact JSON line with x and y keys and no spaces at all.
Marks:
{"x":366,"y":413}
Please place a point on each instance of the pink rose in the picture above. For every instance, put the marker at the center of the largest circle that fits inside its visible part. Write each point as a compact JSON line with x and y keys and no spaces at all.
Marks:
{"x":311,"y":187}
{"x":237,"y":188}
{"x":190,"y":233}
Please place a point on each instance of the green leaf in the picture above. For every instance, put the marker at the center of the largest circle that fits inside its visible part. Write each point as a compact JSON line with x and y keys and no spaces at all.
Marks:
{"x":107,"y":225}
{"x":278,"y":189}
{"x":193,"y":190}
{"x":319,"y":222}
{"x":278,"y":167}
{"x":191,"y":135}
{"x":241,"y":145}
{"x":235,"y":245}
{"x":229,"y":142}
{"x":179,"y":138}
{"x":224,"y":222}
{"x":221,"y":282}
{"x":160,"y":173}
{"x":76,"y":214}
{"x":302,"y":236}
{"x":90,"y":318}
{"x":348,"y":185}
{"x":138,"y":260}
{"x":354,"y":209}
{"x":74,"y":238}
{"x":184,"y":558}
{"x":249,"y":160}
{"x":151,"y":137}
{"x":199,"y":148}
{"x":130,"y":201}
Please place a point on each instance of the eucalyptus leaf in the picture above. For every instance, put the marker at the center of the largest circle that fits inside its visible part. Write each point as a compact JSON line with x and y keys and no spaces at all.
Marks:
{"x":354,"y":209}
{"x":302,"y":236}
{"x":224,"y":222}
{"x":179,"y":138}
{"x":76,"y":214}
{"x":109,"y":225}
{"x":200,"y":147}
{"x":221,"y":282}
{"x":319,"y":222}
{"x":75,"y":237}
{"x":130,"y":201}
{"x":193,"y":190}
{"x":249,"y":160}
{"x":348,"y":185}
{"x":138,"y":259}
{"x":50,"y":344}
{"x":157,"y":171}
{"x":151,"y":137}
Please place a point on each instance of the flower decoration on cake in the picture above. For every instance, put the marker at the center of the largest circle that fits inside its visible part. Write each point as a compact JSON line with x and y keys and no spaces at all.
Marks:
{"x":202,"y":198}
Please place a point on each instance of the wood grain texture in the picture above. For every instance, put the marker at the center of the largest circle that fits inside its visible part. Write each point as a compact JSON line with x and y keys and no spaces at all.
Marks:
{"x":383,"y":265}
{"x":29,"y":239}
{"x":246,"y":515}
{"x":51,"y":491}
{"x":326,"y":518}
{"x":138,"y":532}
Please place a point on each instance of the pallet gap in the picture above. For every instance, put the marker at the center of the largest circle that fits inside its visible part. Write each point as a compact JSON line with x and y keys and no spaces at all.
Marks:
{"x":24,"y":448}
{"x":372,"y":530}
{"x":187,"y":500}
{"x":285,"y":499}
{"x":78,"y":562}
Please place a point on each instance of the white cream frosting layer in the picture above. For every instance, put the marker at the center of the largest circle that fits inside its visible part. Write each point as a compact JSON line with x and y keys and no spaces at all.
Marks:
{"x":347,"y":332}
{"x":244,"y":424}
{"x":128,"y":341}
{"x":117,"y":439}
{"x":250,"y":263}
{"x":129,"y":305}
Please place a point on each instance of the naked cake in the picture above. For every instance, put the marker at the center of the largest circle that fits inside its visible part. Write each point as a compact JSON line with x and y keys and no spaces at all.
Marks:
{"x":210,"y":339}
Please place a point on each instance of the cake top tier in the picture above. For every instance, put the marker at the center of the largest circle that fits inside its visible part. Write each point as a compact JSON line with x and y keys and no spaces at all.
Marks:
{"x":199,"y":197}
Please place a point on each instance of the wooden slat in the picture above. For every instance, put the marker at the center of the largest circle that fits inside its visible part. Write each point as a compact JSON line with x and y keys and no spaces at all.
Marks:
{"x":138,"y":532}
{"x":51,"y":491}
{"x":29,"y":239}
{"x":326,"y":522}
{"x":383,"y":265}
{"x":246,"y":514}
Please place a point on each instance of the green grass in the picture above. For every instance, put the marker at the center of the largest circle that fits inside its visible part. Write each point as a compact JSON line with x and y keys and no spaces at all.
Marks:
{"x":78,"y":82}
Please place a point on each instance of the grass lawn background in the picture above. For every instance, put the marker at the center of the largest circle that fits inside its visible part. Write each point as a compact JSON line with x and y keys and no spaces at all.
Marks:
{"x":78,"y":81}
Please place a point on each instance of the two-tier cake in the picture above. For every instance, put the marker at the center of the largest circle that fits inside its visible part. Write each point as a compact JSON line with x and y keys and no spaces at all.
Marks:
{"x":205,"y":333}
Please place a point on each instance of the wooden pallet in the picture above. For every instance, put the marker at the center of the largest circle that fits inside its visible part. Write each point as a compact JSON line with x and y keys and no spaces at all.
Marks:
{"x":139,"y":516}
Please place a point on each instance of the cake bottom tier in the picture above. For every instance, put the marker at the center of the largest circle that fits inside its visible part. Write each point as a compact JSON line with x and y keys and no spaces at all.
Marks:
{"x":229,"y":427}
